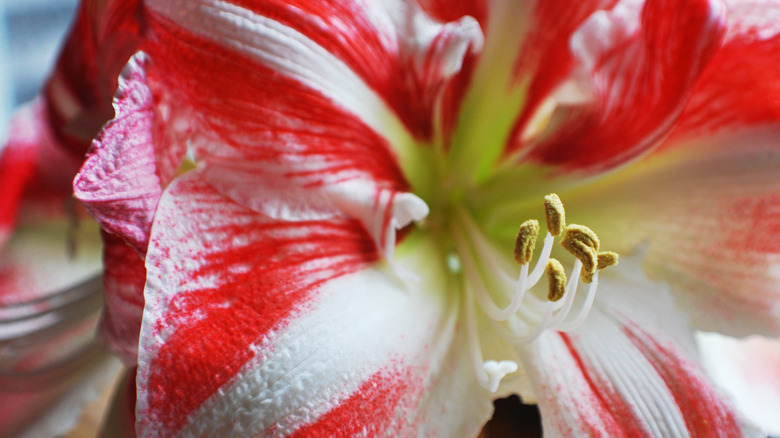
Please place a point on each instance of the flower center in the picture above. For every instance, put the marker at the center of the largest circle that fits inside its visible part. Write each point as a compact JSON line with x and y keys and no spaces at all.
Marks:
{"x":508,"y":301}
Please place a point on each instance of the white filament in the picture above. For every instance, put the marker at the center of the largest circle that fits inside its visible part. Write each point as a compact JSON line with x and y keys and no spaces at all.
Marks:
{"x":526,"y":317}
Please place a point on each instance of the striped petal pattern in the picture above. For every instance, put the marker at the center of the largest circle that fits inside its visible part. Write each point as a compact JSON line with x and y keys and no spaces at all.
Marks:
{"x":630,"y":371}
{"x":274,"y":300}
{"x":259,"y":324}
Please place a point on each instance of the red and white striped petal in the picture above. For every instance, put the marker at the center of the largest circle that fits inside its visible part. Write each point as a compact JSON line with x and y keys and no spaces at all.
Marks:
{"x":738,"y":89}
{"x":546,"y":61}
{"x":628,"y":371}
{"x":255,"y":326}
{"x":103,"y":37}
{"x":132,"y":159}
{"x":749,"y":369}
{"x":362,"y":54}
{"x":708,"y":211}
{"x":641,"y":62}
{"x":285,"y":126}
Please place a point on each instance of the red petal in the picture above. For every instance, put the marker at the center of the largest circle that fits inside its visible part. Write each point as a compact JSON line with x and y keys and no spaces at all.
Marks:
{"x":642,"y":76}
{"x":268,"y":140}
{"x":740,"y":87}
{"x":370,"y":411}
{"x":546,"y":54}
{"x":704,"y":414}
{"x":239,"y":275}
{"x":104,"y":36}
{"x":123,"y":278}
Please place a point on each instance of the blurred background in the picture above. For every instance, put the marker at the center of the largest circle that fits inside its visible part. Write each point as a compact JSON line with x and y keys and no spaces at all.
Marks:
{"x":30,"y":34}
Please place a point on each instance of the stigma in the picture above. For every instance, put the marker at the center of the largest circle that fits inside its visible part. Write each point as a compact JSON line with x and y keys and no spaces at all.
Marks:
{"x":527,"y":311}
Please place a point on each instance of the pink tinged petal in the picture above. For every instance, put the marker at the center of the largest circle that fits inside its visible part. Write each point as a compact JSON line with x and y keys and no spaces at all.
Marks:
{"x":123,"y":278}
{"x":629,"y":370}
{"x":642,"y":66}
{"x":267,"y":327}
{"x":121,"y":181}
{"x":103,"y":37}
{"x":274,"y":143}
{"x":709,"y":212}
{"x":749,"y":369}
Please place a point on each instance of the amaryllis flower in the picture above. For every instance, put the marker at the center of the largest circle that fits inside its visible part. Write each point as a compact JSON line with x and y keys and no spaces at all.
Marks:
{"x":311,"y":209}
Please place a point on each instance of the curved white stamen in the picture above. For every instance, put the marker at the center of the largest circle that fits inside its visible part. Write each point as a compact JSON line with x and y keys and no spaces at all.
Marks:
{"x":544,"y":256}
{"x":486,"y":302}
{"x":520,"y":286}
{"x":549,"y":320}
{"x":406,"y":208}
{"x":490,"y":373}
{"x":486,"y":253}
{"x":585,"y":310}
{"x":537,"y":330}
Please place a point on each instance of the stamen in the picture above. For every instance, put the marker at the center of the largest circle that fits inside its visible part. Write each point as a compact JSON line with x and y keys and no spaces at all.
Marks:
{"x":606,"y":259}
{"x":541,"y":264}
{"x":583,"y":244}
{"x":549,"y":320}
{"x":526,"y":241}
{"x":489,"y":373}
{"x":556,"y":278}
{"x":486,"y":303}
{"x":556,"y":216}
{"x":603,"y":260}
{"x":585,"y":310}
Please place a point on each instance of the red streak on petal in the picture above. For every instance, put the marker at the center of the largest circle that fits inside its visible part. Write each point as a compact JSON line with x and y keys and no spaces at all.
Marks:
{"x":373,"y":410}
{"x":124,"y":279}
{"x":260,"y":284}
{"x":738,"y":88}
{"x":265,"y":117}
{"x":546,"y":54}
{"x":641,"y":85}
{"x":451,"y":10}
{"x":344,"y":29}
{"x":704,"y":412}
{"x":104,"y":36}
{"x":615,"y":412}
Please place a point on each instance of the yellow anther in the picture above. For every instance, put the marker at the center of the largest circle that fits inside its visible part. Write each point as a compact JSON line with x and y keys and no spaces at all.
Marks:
{"x":583,"y":234}
{"x":556,"y":216}
{"x":606,"y":259}
{"x":526,"y":241}
{"x":556,"y":278}
{"x":603,"y":260}
{"x":583,"y":244}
